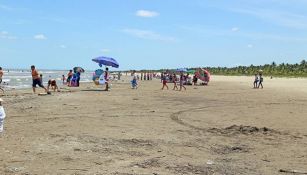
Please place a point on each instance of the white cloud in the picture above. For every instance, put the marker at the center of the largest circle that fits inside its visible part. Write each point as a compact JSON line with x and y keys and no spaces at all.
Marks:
{"x":146,"y":13}
{"x":6,"y":35}
{"x":63,"y":46}
{"x":250,"y":46}
{"x":147,"y":34}
{"x":105,"y":50}
{"x":235,"y":29}
{"x":40,"y":37}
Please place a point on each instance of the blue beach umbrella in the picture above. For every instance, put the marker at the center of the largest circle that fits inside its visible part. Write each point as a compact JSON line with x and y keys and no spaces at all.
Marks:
{"x":106,"y":61}
{"x":181,"y":70}
{"x":79,"y":69}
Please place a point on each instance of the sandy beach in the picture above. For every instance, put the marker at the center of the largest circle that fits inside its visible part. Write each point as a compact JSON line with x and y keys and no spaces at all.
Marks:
{"x":224,"y":128}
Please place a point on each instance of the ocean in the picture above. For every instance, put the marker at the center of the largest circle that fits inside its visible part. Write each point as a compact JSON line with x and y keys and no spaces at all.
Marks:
{"x":18,"y":79}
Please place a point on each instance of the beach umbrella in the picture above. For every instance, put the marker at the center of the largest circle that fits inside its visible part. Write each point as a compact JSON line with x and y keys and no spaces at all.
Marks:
{"x":181,"y":70}
{"x":106,"y":61}
{"x":79,"y":69}
{"x":191,"y":71}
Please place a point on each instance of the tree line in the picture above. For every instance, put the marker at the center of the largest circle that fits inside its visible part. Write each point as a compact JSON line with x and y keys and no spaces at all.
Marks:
{"x":273,"y":69}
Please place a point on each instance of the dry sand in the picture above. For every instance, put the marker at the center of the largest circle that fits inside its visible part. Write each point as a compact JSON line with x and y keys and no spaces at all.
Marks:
{"x":224,"y":128}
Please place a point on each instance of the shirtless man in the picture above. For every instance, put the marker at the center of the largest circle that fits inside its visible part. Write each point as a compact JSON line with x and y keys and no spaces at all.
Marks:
{"x":36,"y":79}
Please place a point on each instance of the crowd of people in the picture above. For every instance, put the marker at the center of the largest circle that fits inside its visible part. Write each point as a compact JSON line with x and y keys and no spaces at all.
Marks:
{"x":178,"y":79}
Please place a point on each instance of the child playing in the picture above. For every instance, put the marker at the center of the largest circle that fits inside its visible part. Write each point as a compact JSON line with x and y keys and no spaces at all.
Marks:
{"x":53,"y":85}
{"x":63,"y":79}
{"x":2,"y":115}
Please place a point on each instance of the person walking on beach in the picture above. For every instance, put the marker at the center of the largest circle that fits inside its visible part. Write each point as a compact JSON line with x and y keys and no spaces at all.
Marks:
{"x":106,"y":77}
{"x":164,"y":82}
{"x":181,"y":82}
{"x":36,"y":79}
{"x":69,"y":77}
{"x":195,"y":79}
{"x":134,"y":81}
{"x":2,"y":115}
{"x":162,"y":76}
{"x":260,"y":81}
{"x":174,"y":79}
{"x":78,"y":74}
{"x":1,"y":74}
{"x":256,"y":81}
{"x":63,"y":79}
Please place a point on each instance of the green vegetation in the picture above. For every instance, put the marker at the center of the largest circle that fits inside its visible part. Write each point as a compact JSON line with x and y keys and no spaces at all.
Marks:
{"x":281,"y":70}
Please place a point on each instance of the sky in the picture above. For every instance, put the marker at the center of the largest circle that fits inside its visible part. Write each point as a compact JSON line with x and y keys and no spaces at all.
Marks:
{"x":151,"y":34}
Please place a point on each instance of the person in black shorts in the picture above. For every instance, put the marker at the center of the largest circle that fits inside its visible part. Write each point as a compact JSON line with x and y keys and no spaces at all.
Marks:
{"x":195,"y":79}
{"x":260,"y":81}
{"x":36,"y":79}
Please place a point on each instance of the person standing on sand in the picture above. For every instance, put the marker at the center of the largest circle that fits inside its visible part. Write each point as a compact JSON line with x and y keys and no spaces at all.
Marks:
{"x":164,"y":82}
{"x":69,"y":77}
{"x":162,"y":77}
{"x":106,"y":77}
{"x":181,"y":82}
{"x":256,"y":81}
{"x":134,"y":81}
{"x":141,"y":76}
{"x":2,"y":115}
{"x":195,"y":79}
{"x":63,"y":79}
{"x":1,"y":74}
{"x":36,"y":79}
{"x":260,"y":81}
{"x":174,"y":79}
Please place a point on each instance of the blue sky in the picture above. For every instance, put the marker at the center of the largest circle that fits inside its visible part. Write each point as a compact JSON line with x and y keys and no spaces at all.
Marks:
{"x":151,"y":34}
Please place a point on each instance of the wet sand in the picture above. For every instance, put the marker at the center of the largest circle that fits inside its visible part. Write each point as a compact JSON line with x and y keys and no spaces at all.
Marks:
{"x":224,"y":128}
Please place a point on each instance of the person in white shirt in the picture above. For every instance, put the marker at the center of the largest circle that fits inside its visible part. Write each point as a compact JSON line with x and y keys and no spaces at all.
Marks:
{"x":134,"y":81}
{"x":2,"y":115}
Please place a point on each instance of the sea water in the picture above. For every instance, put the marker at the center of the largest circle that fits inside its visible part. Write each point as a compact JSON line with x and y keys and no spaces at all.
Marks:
{"x":18,"y":79}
